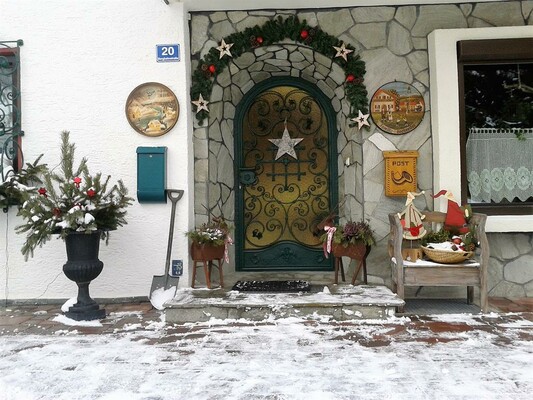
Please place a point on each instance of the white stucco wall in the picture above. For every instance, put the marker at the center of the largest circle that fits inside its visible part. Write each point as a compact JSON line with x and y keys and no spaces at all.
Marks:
{"x":79,"y":62}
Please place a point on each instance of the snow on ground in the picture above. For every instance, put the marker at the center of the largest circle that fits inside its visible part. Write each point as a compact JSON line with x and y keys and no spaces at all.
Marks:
{"x":160,"y":296}
{"x":282,"y":359}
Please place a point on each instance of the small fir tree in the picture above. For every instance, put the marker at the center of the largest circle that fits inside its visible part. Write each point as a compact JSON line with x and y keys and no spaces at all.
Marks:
{"x":71,"y":200}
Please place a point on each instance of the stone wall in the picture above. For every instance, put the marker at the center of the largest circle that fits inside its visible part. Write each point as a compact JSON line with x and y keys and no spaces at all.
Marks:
{"x":393,"y":43}
{"x":511,"y":265}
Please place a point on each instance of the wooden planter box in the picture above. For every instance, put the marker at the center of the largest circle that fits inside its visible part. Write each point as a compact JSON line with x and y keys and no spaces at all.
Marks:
{"x":355,"y":251}
{"x":206,"y":252}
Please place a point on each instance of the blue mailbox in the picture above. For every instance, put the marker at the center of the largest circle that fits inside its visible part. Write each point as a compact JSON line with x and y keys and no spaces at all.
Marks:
{"x":151,"y":174}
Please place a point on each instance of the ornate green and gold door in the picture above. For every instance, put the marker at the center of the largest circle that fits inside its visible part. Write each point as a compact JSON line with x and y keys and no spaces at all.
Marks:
{"x":286,"y":167}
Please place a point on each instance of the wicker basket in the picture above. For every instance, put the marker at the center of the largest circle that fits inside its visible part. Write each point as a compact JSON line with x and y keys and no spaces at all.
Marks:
{"x":447,"y":256}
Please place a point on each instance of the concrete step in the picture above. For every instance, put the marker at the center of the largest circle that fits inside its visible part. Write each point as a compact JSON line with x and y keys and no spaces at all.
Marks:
{"x":336,"y":302}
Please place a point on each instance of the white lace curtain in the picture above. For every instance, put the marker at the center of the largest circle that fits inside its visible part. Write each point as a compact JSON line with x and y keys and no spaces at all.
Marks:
{"x":499,"y":166}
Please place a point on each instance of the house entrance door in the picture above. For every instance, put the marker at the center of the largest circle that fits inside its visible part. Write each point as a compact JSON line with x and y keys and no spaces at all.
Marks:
{"x":286,"y":159}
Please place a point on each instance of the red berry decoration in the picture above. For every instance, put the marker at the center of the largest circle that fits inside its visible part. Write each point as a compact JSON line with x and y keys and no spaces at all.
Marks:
{"x":350,"y":78}
{"x":77,"y":181}
{"x":259,"y":40}
{"x":56,"y":211}
{"x":304,"y":34}
{"x":212,"y":68}
{"x":91,"y":193}
{"x":42,"y":191}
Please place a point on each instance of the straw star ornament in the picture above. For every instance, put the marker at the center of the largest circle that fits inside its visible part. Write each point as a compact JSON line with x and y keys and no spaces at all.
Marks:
{"x":342,"y":52}
{"x":224,"y":49}
{"x":200,"y":104}
{"x":361,"y":119}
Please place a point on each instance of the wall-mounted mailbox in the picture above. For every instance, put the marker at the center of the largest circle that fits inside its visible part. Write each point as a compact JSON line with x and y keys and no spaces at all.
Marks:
{"x":400,"y":172}
{"x":151,"y":174}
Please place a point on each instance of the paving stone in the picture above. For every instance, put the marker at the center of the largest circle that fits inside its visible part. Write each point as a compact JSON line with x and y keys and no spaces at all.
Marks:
{"x":370,"y":35}
{"x":199,"y":26}
{"x":406,"y":16}
{"x":519,"y":270}
{"x":335,"y":22}
{"x":466,"y":9}
{"x":237,"y":16}
{"x":418,"y":61}
{"x":438,"y":17}
{"x":499,"y":14}
{"x":399,"y":39}
{"x":507,"y":246}
{"x":447,"y":327}
{"x":507,"y":289}
{"x":373,"y":14}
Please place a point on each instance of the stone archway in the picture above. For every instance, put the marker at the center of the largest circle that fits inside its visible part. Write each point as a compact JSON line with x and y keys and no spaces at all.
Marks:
{"x":214,"y":156}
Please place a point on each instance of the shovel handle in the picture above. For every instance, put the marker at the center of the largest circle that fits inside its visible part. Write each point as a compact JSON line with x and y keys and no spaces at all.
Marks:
{"x":174,"y":195}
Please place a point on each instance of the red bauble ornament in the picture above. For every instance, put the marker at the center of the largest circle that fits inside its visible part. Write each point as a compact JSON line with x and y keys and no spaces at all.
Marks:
{"x":42,"y":191}
{"x":350,"y":78}
{"x":304,"y":34}
{"x":91,"y":193}
{"x":77,"y":181}
{"x":259,"y":40}
{"x":212,"y":68}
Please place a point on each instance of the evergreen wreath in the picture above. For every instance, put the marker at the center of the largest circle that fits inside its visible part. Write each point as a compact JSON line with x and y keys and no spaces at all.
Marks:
{"x":272,"y":32}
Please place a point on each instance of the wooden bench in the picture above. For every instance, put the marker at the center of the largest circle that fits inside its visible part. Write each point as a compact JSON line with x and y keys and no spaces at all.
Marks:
{"x":469,"y":273}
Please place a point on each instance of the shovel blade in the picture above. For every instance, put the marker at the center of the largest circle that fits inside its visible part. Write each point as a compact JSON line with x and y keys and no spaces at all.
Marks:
{"x":168,"y":286}
{"x":162,"y":281}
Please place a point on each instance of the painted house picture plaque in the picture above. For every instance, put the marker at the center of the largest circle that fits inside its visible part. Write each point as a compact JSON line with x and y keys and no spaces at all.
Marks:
{"x":397,"y":108}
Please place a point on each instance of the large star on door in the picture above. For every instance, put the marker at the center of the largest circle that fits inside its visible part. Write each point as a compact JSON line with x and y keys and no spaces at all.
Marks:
{"x":285,"y":145}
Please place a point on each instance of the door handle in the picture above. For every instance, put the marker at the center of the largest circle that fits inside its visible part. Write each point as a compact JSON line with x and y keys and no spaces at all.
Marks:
{"x":247,"y":177}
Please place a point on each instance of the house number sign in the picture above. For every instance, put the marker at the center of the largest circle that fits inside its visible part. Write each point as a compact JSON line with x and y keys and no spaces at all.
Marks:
{"x":400,"y":172}
{"x":168,"y":52}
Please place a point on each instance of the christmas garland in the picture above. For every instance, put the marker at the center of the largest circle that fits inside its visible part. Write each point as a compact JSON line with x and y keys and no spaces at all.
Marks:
{"x":273,"y":32}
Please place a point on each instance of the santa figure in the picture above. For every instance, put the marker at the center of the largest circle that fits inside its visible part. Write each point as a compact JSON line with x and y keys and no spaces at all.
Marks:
{"x":455,"y":221}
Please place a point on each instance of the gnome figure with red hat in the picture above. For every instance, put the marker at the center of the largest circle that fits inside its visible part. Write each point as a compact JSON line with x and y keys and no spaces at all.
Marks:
{"x":455,"y":221}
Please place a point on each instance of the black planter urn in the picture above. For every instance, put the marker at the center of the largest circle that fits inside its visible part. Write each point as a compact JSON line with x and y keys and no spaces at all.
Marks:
{"x":82,"y":267}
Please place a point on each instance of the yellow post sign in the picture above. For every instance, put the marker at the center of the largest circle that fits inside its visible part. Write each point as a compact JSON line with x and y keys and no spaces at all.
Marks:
{"x":400,"y":172}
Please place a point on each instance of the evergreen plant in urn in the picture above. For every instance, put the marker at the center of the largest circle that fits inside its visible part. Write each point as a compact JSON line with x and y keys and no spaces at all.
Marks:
{"x":82,"y":209}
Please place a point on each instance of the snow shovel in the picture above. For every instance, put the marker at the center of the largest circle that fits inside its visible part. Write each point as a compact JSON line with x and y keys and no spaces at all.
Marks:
{"x":166,"y":281}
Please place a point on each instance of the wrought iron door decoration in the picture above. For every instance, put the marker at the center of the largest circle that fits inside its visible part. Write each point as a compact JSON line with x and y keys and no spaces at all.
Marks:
{"x":285,"y":144}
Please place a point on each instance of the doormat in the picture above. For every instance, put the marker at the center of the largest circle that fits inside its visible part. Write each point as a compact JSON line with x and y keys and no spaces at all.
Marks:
{"x":272,"y":286}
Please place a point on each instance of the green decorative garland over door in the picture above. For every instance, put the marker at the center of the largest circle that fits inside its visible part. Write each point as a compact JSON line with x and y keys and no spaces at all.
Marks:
{"x":272,"y":32}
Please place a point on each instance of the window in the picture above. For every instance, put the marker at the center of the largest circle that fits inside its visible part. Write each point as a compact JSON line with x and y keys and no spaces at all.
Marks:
{"x":496,"y":124}
{"x":10,"y":122}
